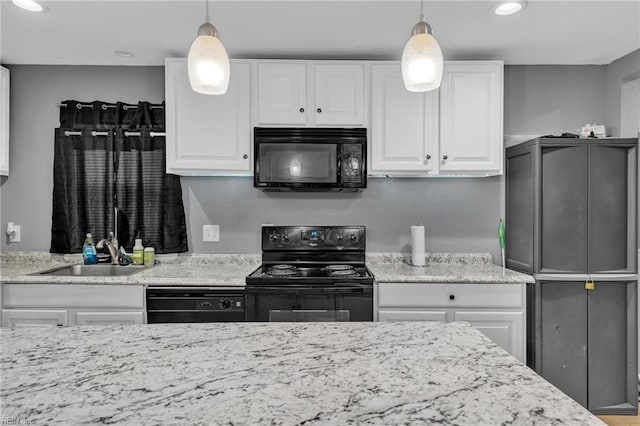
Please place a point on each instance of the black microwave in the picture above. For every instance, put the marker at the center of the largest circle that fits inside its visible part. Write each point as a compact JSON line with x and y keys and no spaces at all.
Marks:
{"x":310,"y":159}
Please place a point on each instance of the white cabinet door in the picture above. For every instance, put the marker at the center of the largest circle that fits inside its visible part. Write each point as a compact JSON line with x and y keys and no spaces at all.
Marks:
{"x":471,"y":97}
{"x":208,"y":134}
{"x":4,"y":121}
{"x":339,"y":95}
{"x":503,"y":328}
{"x":404,"y":125}
{"x":388,"y":315}
{"x":107,"y":318}
{"x":282,"y":93}
{"x":14,"y":318}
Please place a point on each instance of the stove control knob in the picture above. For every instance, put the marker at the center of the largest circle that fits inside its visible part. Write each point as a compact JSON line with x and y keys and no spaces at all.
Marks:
{"x":285,"y":238}
{"x":340,"y":238}
{"x":226,"y":304}
{"x":274,"y":238}
{"x":352,"y":238}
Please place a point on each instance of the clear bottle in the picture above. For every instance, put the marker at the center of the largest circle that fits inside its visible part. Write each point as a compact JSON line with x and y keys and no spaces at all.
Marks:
{"x":138,"y":252}
{"x":89,"y":253}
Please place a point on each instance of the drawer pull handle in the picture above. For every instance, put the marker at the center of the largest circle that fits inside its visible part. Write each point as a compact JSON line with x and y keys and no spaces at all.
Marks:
{"x":451,"y":297}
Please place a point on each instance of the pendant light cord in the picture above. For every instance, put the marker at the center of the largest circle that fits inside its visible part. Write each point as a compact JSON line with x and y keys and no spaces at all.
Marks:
{"x":206,"y":17}
{"x":421,"y":10}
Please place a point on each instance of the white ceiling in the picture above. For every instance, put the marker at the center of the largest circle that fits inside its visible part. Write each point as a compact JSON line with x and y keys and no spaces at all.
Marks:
{"x":547,"y":32}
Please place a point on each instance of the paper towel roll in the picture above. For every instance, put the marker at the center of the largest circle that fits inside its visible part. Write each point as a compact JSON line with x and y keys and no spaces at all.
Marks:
{"x":417,"y":245}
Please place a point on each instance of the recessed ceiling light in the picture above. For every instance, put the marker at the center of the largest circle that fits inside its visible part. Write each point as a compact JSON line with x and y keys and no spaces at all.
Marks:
{"x":30,"y":5}
{"x":509,"y":7}
{"x":123,"y":54}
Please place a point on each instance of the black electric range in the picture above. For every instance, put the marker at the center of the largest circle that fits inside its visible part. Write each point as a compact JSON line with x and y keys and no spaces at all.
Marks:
{"x":311,"y":273}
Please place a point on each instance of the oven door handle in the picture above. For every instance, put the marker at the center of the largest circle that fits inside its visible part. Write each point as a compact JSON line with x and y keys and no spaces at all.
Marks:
{"x":293,"y":289}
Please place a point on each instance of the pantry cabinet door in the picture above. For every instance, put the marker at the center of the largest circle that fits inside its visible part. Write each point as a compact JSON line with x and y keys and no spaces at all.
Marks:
{"x":471,"y":134}
{"x":207,"y":134}
{"x":282,"y":93}
{"x":339,"y":95}
{"x":4,"y":121}
{"x":404,"y":125}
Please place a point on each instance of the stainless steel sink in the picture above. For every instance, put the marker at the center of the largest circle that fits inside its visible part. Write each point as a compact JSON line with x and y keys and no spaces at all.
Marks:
{"x":93,"y":270}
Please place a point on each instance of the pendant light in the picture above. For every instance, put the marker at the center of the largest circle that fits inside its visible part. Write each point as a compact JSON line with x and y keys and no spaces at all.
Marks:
{"x":208,"y":62}
{"x":422,"y":58}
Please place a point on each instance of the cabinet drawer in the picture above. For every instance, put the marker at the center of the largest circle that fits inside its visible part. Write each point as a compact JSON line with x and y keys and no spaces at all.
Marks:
{"x":72,"y":296}
{"x":107,"y":318}
{"x":416,"y":295}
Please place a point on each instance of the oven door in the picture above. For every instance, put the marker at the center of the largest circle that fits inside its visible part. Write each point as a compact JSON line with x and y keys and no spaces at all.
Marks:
{"x":348,"y":302}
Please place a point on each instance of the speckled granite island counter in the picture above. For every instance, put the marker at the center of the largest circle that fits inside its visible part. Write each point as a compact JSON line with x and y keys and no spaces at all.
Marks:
{"x":463,"y":268}
{"x":278,"y":373}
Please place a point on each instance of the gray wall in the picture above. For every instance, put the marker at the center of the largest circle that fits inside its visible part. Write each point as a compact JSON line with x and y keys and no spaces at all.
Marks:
{"x":35,"y":91}
{"x":459,"y":214}
{"x":543,"y":99}
{"x":619,"y":71}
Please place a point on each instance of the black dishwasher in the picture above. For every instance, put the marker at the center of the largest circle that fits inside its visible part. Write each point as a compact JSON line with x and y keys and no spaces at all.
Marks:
{"x":194,"y":304}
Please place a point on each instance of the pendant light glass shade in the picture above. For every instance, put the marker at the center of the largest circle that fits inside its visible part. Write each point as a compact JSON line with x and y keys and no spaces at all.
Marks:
{"x":208,"y":62}
{"x":422,"y":60}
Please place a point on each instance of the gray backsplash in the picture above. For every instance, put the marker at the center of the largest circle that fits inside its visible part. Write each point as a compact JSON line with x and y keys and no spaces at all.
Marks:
{"x":459,"y":214}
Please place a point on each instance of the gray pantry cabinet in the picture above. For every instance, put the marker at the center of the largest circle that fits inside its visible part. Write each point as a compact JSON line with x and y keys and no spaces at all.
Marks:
{"x":571,"y":222}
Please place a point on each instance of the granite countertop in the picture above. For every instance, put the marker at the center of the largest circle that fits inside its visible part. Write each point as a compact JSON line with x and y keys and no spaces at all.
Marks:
{"x":274,"y":373}
{"x":175,"y":270}
{"x":444,"y":268}
{"x":231,"y":269}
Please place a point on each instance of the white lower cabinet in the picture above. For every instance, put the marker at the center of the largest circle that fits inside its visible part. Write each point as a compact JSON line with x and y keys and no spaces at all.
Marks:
{"x":497,"y":310}
{"x":105,"y":318}
{"x":15,"y":318}
{"x":34,"y":305}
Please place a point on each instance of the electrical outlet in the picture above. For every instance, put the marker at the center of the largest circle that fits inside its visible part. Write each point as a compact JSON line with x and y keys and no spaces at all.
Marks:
{"x":210,"y":233}
{"x":13,"y":231}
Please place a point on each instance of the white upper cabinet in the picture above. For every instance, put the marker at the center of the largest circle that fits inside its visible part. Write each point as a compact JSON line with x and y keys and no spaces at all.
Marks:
{"x":282,"y":93}
{"x":456,"y":130}
{"x":208,"y":134}
{"x":471,"y":99}
{"x":339,"y":94}
{"x":4,"y":121}
{"x":310,"y":94}
{"x":404,"y":125}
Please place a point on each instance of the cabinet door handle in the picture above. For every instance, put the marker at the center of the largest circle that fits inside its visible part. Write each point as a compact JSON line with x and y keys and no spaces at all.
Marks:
{"x":444,"y":157}
{"x":245,"y":156}
{"x":428,"y":157}
{"x":452,"y":296}
{"x":301,"y":109}
{"x":319,"y":110}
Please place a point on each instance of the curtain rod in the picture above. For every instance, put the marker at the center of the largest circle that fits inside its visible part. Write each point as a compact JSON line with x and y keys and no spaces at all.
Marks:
{"x":105,"y":106}
{"x":127,"y":134}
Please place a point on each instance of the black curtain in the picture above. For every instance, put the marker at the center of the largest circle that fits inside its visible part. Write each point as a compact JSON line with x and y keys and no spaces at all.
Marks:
{"x":122,"y":166}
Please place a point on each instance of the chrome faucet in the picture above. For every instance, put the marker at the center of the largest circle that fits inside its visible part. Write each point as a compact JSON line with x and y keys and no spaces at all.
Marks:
{"x":112,"y":245}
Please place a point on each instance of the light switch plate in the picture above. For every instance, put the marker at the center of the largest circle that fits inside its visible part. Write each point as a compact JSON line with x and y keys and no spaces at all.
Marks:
{"x":210,"y":233}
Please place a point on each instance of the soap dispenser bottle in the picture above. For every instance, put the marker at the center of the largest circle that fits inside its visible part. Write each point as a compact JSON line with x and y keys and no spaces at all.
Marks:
{"x":138,"y":252}
{"x":89,"y":253}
